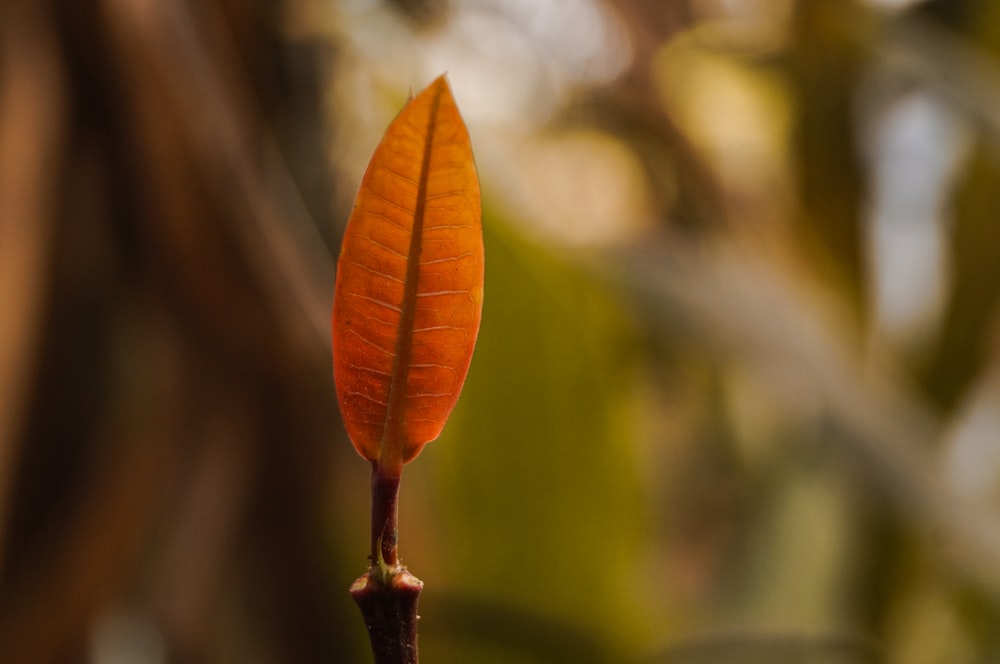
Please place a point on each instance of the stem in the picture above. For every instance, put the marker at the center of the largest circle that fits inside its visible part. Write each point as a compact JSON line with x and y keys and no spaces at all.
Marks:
{"x":385,"y":490}
{"x":387,"y":594}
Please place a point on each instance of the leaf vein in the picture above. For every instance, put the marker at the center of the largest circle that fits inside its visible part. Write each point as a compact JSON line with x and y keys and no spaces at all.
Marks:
{"x":369,"y":342}
{"x":367,"y":397}
{"x":384,"y":246}
{"x":378,"y":273}
{"x":375,"y":300}
{"x":449,"y":259}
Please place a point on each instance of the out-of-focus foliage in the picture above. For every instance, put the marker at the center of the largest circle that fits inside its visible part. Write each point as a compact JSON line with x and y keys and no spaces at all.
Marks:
{"x":736,"y":392}
{"x":548,"y":490}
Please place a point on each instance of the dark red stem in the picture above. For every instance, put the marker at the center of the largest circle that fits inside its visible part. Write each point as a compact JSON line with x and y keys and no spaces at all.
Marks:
{"x":385,"y":490}
{"x":387,"y":594}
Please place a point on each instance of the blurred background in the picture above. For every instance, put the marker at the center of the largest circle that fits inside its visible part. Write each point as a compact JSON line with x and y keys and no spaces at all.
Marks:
{"x":736,"y":396}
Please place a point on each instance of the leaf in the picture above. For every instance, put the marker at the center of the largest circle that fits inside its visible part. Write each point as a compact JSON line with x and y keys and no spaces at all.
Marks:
{"x":409,"y":290}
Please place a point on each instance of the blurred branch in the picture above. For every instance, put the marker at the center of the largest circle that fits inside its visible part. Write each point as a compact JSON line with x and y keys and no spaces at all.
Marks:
{"x":192,"y":84}
{"x":31,"y":133}
{"x":753,"y":309}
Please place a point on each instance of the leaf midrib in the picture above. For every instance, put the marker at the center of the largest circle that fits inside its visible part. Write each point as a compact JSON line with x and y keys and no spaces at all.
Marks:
{"x":391,"y":450}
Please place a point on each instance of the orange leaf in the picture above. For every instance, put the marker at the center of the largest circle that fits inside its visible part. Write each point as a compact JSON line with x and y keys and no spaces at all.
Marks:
{"x":409,"y":289}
